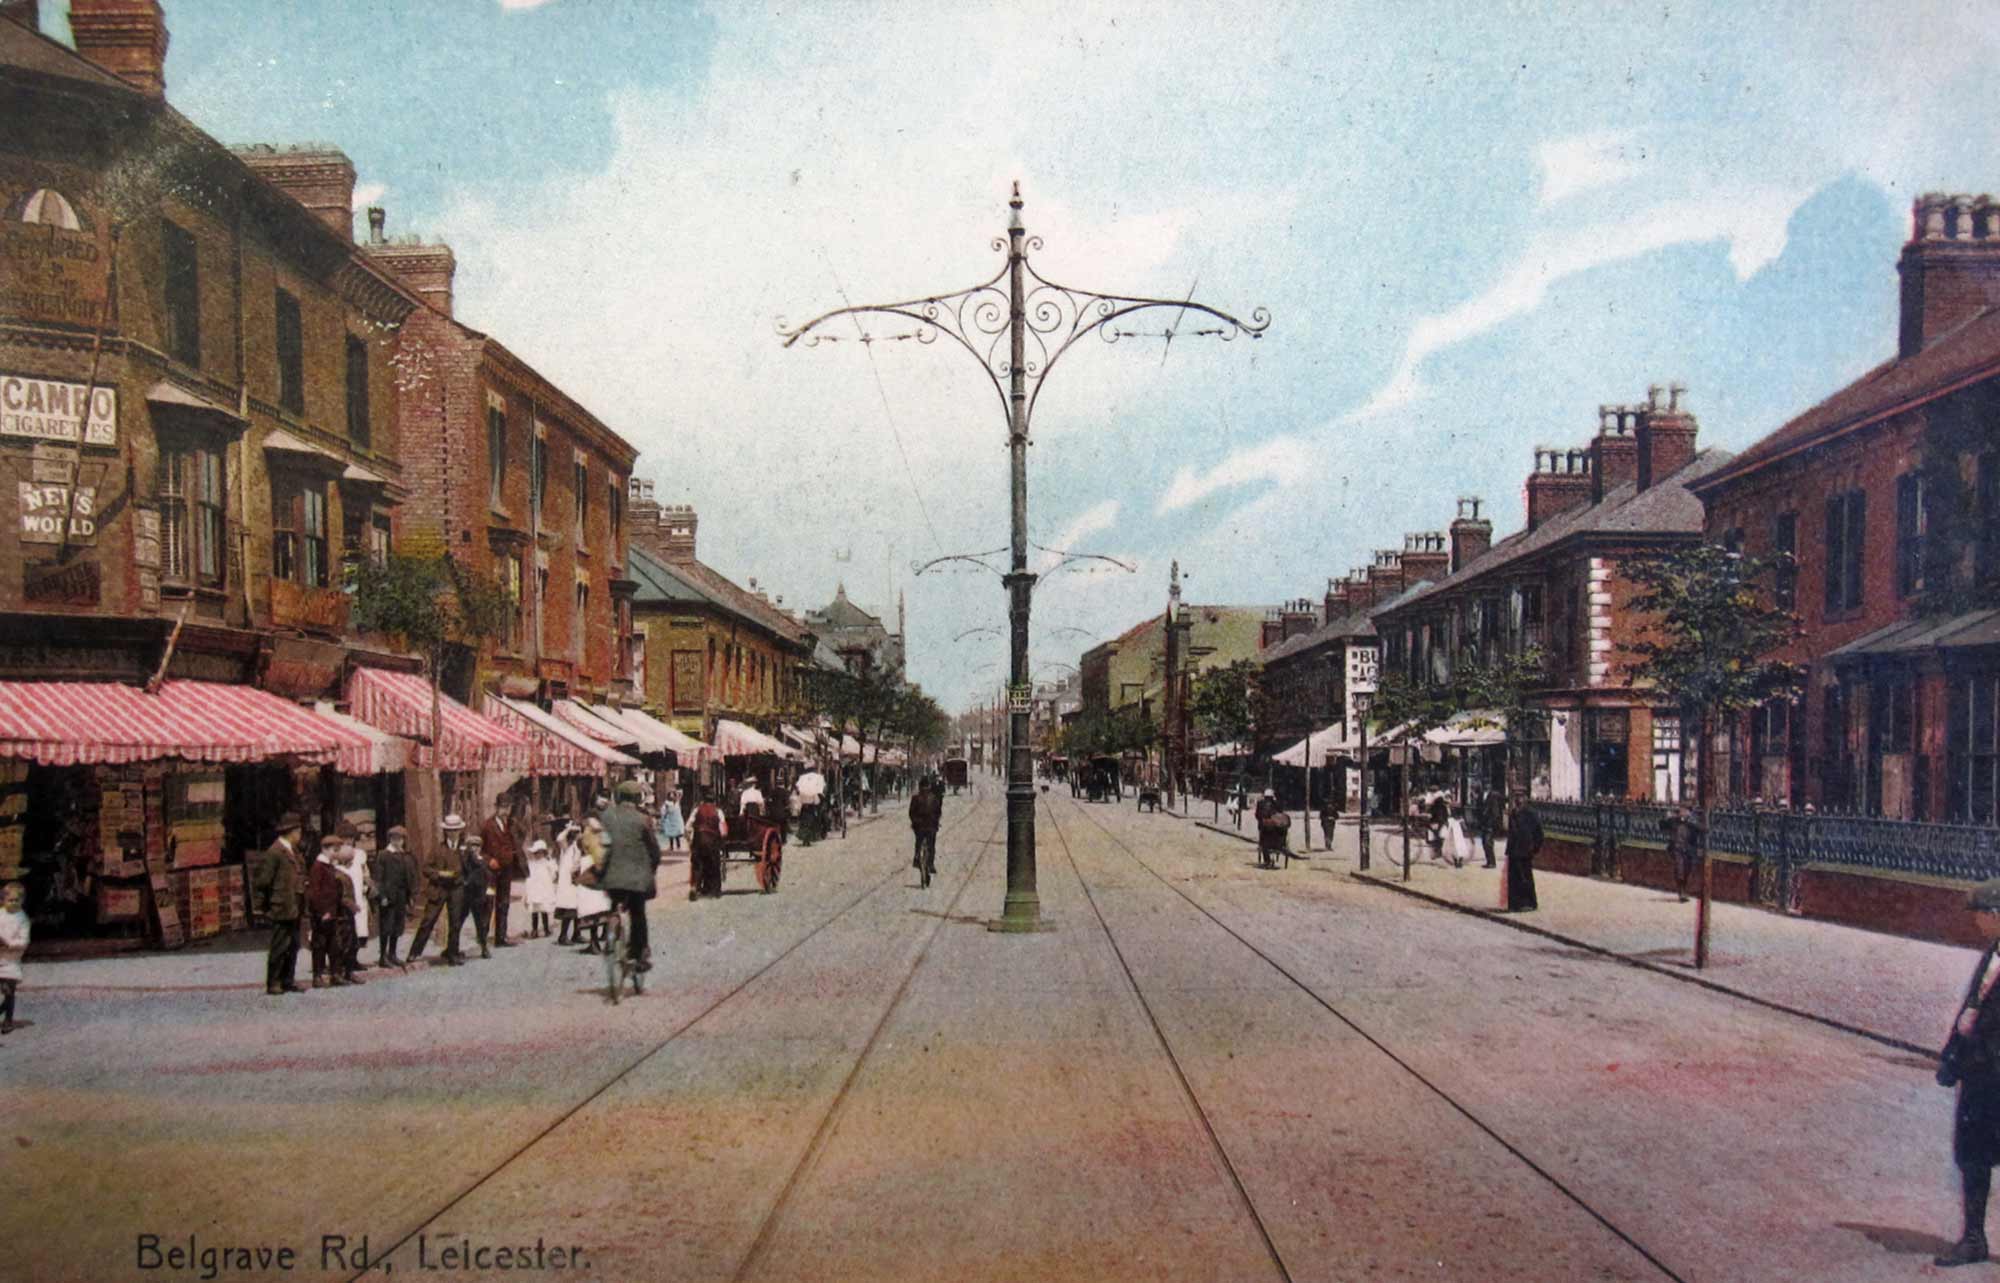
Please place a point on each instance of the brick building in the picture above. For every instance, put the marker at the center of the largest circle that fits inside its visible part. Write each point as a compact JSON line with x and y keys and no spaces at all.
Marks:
{"x":1884,"y":496}
{"x":712,"y":649}
{"x":199,"y":417}
{"x":1556,"y":584}
{"x":1131,"y":668}
{"x":517,"y":479}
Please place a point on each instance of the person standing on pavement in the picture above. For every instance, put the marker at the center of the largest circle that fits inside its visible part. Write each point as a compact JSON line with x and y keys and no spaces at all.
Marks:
{"x":629,"y":869}
{"x":14,"y":929}
{"x":353,"y":863}
{"x":1524,"y":839}
{"x":277,"y":891}
{"x":442,"y":892}
{"x":504,"y":864}
{"x":395,"y":885}
{"x":473,"y":902}
{"x":1971,"y":1062}
{"x":1329,"y":816}
{"x":1492,"y":817}
{"x":926,"y":811}
{"x":323,"y":901}
{"x":1683,"y":842}
{"x":538,"y":895}
{"x":671,"y":823}
{"x":569,"y":854}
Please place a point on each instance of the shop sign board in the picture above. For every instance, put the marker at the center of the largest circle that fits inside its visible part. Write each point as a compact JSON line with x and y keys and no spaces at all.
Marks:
{"x":52,"y":410}
{"x":62,"y":583}
{"x":44,"y":506}
{"x":51,"y":273}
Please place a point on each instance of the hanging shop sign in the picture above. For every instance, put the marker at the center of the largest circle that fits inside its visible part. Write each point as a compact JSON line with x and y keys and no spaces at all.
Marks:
{"x":62,"y":583}
{"x":51,"y":410}
{"x":44,"y":507}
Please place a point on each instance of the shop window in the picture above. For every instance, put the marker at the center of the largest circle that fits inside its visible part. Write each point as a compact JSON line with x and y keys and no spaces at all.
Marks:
{"x":496,"y":455}
{"x":1785,"y":545}
{"x":193,"y":516}
{"x":182,"y":272}
{"x":1846,"y":537}
{"x":291,"y":345}
{"x":358,"y":427}
{"x":1911,"y":524}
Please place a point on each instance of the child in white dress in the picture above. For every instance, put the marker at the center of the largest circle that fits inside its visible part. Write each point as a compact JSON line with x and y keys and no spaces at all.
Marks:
{"x":539,"y":894}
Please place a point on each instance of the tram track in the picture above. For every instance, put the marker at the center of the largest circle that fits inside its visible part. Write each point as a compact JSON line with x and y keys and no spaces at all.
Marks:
{"x":1173,"y":1060}
{"x":1399,"y":1061}
{"x":767,"y":1227}
{"x":382,"y":1262}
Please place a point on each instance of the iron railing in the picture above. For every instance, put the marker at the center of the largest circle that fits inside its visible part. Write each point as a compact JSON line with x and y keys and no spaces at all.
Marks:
{"x":1778,"y":842}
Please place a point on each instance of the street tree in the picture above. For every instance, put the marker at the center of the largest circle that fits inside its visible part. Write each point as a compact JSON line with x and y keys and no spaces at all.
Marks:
{"x":1708,"y":653}
{"x":1228,"y":703}
{"x":434,"y":607}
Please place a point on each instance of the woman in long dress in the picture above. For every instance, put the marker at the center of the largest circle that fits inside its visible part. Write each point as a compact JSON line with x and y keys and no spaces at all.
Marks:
{"x":569,"y":854}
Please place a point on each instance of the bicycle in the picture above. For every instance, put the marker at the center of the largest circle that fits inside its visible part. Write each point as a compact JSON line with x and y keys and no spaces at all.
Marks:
{"x":618,"y":966}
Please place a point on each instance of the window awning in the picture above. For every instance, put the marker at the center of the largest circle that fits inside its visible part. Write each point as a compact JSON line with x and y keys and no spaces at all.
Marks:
{"x":734,"y":739}
{"x":671,"y":739}
{"x":560,"y":749}
{"x":388,"y":754}
{"x":105,"y":724}
{"x":165,"y":393}
{"x":1316,"y":748}
{"x":582,"y":719}
{"x":400,"y":703}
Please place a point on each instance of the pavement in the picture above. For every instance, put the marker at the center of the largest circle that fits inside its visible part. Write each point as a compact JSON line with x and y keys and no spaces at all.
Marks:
{"x":1205,"y":1071}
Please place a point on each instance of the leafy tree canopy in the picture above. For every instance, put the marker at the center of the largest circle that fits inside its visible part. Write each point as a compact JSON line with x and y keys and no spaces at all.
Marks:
{"x":428,"y":603}
{"x":1715,"y":627}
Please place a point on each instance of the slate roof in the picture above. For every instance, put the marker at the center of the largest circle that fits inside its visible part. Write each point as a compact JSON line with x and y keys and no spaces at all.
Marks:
{"x":1355,"y":623}
{"x":1668,"y":506}
{"x":1968,"y":353}
{"x":690,"y":583}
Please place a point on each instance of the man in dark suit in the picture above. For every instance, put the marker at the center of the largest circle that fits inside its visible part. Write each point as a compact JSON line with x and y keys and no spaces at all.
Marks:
{"x":1492,"y":818}
{"x":472,"y":881}
{"x":504,"y":863}
{"x":442,"y":892}
{"x":1972,"y":1060}
{"x":926,"y":813}
{"x":277,"y":891}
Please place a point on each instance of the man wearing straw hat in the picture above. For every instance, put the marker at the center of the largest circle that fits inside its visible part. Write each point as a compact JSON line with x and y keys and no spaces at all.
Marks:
{"x":441,"y":888}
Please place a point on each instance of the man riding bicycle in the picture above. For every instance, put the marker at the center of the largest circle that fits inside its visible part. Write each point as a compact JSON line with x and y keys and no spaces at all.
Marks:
{"x":631,"y":863}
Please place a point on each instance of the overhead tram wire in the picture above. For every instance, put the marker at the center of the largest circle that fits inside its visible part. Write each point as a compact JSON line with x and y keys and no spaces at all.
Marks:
{"x":889,"y":415}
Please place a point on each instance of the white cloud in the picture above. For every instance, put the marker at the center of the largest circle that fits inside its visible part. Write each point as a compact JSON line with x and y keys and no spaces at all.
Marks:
{"x":1583,"y":161}
{"x":1752,"y":221}
{"x":1282,"y":459}
{"x":1092,"y":520}
{"x":366,"y":194}
{"x":522,"y":4}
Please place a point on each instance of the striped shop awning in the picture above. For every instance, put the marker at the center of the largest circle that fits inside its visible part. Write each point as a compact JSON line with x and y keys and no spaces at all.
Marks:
{"x":651,"y":730}
{"x":400,"y":703}
{"x":591,"y":724}
{"x":108,"y":724}
{"x":559,"y":748}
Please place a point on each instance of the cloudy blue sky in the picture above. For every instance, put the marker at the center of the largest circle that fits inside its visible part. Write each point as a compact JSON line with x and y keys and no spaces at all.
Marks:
{"x":1472,"y":224}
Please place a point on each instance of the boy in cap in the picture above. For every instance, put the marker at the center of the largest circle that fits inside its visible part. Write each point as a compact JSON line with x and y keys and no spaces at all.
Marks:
{"x":324,"y":885}
{"x":473,"y":901}
{"x":1971,"y":1061}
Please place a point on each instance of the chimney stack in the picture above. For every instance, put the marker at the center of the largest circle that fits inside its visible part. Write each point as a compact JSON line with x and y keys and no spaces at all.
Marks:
{"x":1614,"y":454}
{"x":1338,"y":600}
{"x":1950,"y":267}
{"x":127,"y":38}
{"x":1471,"y":535}
{"x":319,"y":177}
{"x":427,"y":270}
{"x":1560,"y":483}
{"x":677,"y":531}
{"x":1425,"y":558}
{"x":1666,"y":435}
{"x":377,"y":216}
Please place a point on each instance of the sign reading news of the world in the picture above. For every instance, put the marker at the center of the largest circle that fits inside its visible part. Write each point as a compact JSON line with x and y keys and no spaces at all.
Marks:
{"x":50,"y":410}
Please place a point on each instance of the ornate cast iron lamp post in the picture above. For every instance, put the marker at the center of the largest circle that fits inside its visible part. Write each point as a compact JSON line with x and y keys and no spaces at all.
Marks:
{"x":1039,"y":321}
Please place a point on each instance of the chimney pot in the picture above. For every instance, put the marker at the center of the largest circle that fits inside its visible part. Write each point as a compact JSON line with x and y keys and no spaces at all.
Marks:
{"x":377,"y":216}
